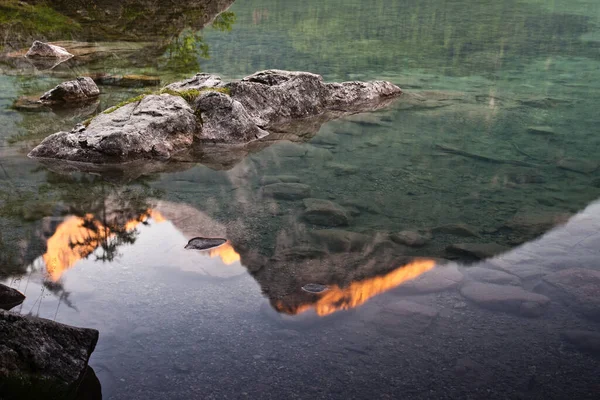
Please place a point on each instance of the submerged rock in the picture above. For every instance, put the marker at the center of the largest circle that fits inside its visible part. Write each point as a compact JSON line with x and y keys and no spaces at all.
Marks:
{"x":47,"y":50}
{"x":479,"y":251}
{"x":437,"y":280}
{"x":200,"y":243}
{"x":325,"y":213}
{"x":36,"y":353}
{"x":511,"y":299}
{"x":488,"y":275}
{"x":579,"y":288}
{"x":340,"y":241}
{"x":10,"y":297}
{"x":410,"y":238}
{"x":127,"y":81}
{"x":287,"y":191}
{"x":586,"y":341}
{"x":78,"y":90}
{"x":456,"y":230}
{"x":154,"y":127}
{"x":315,"y":288}
{"x":295,"y":104}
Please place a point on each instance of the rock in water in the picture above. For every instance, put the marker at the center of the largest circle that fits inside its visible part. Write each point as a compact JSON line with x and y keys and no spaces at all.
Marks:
{"x":410,"y":238}
{"x":38,"y":355}
{"x":200,"y":243}
{"x":315,"y":288}
{"x":10,"y":297}
{"x":324,"y":213}
{"x":291,"y":104}
{"x":47,"y":50}
{"x":154,"y":127}
{"x":479,"y":251}
{"x":81,"y":89}
{"x":587,"y":341}
{"x":511,"y":299}
{"x":287,"y":191}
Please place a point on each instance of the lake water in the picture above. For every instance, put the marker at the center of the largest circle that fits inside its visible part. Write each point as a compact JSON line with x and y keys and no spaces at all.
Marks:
{"x":490,"y":158}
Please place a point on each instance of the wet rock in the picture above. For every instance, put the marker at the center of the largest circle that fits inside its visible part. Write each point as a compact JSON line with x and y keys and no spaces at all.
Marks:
{"x":534,"y":222}
{"x":340,"y":241}
{"x":579,"y":288}
{"x":47,"y":50}
{"x":317,"y":153}
{"x":511,"y":299}
{"x":325,"y":213}
{"x":225,"y":120}
{"x":578,"y":165}
{"x":198,"y":82}
{"x":315,"y":288}
{"x":10,"y":297}
{"x":541,"y":130}
{"x":287,"y":191}
{"x":79,"y":90}
{"x":479,"y":251}
{"x":488,"y":275}
{"x":456,"y":230}
{"x":586,"y":341}
{"x":439,"y":279}
{"x":410,"y":238}
{"x":201,"y":243}
{"x":155,"y":127}
{"x":36,"y":352}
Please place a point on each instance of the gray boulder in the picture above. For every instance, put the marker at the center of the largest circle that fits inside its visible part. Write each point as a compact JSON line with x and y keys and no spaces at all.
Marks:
{"x":10,"y":297}
{"x":38,"y":354}
{"x":154,"y":127}
{"x":79,"y":90}
{"x":47,"y":50}
{"x":197,"y":82}
{"x":225,"y":120}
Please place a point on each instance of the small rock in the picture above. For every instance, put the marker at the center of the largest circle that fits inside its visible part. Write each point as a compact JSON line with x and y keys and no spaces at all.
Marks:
{"x":578,"y":165}
{"x":47,"y":50}
{"x":81,"y":89}
{"x":479,"y":251}
{"x":315,"y":288}
{"x":410,"y":238}
{"x":10,"y":297}
{"x":318,"y":153}
{"x":269,"y":179}
{"x":541,"y":130}
{"x":456,"y":230}
{"x":287,"y":191}
{"x":577,"y":287}
{"x":200,"y":243}
{"x":509,"y":299}
{"x":488,"y":275}
{"x":325,"y":213}
{"x":437,"y":280}
{"x":586,"y":341}
{"x":534,"y":223}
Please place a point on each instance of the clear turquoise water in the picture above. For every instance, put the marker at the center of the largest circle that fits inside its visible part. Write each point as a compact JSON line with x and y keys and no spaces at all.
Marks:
{"x":512,"y":81}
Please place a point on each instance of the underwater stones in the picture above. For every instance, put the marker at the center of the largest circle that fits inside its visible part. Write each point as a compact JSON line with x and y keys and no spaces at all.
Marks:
{"x":585,"y":341}
{"x":479,"y":251}
{"x":543,"y":102}
{"x":287,"y":191}
{"x":463,"y":230}
{"x":439,"y":279}
{"x":410,"y":238}
{"x":269,"y":179}
{"x":47,"y":50}
{"x":201,"y":243}
{"x":154,"y":127}
{"x":197,"y":82}
{"x":10,"y":297}
{"x":579,"y":288}
{"x":404,"y":316}
{"x":340,"y":241}
{"x":511,"y":299}
{"x":541,"y":130}
{"x":325,"y":213}
{"x":487,"y":275}
{"x":36,"y":351}
{"x":534,"y":222}
{"x":578,"y":165}
{"x":339,"y":169}
{"x":315,"y":288}
{"x":225,"y":120}
{"x":78,"y":90}
{"x":128,"y":81}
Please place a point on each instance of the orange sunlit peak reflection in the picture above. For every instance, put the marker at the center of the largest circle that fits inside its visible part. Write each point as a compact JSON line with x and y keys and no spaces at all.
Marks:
{"x":226,"y":252}
{"x":359,"y":292}
{"x":73,"y":240}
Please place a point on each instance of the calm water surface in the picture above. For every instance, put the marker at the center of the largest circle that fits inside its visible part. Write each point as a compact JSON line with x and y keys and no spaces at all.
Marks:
{"x":491,"y":156}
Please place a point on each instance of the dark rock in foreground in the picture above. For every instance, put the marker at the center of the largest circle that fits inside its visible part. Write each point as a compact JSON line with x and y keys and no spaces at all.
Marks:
{"x":274,"y":103}
{"x":42,"y":358}
{"x":200,"y":243}
{"x":10,"y":297}
{"x":78,"y":90}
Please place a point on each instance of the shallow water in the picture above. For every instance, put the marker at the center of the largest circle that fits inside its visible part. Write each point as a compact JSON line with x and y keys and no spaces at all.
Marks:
{"x":496,"y":133}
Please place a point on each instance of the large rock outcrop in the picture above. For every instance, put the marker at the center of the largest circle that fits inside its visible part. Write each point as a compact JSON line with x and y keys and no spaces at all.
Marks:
{"x":269,"y":104}
{"x":41,"y":358}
